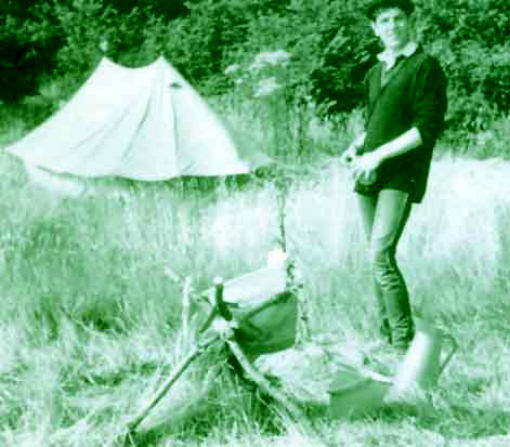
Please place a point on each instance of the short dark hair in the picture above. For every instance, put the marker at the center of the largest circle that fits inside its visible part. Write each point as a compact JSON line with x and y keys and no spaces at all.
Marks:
{"x":376,"y":5}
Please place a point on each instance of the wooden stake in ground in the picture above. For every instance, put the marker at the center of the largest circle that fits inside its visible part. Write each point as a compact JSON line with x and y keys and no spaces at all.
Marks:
{"x":176,"y":373}
{"x":282,"y":185}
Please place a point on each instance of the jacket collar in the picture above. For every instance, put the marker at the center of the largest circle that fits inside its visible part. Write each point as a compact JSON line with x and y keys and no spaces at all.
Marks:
{"x":389,"y":58}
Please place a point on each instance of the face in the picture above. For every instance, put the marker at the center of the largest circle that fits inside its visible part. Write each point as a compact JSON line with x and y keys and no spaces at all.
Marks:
{"x":393,"y":27}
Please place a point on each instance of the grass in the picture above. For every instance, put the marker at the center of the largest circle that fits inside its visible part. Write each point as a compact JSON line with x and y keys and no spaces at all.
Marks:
{"x":91,"y":292}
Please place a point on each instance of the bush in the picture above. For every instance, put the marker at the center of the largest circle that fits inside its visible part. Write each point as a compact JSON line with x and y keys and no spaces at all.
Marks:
{"x":494,"y":142}
{"x":470,"y":40}
{"x":330,"y":43}
{"x":27,"y":48}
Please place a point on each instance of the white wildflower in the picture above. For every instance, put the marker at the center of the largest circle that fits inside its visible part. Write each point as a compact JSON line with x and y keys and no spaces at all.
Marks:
{"x":232,"y":69}
{"x":266,"y":87}
{"x":104,"y":45}
{"x":270,"y":58}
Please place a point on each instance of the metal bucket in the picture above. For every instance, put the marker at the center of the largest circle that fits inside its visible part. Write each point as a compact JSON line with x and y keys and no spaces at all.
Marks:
{"x":423,"y":363}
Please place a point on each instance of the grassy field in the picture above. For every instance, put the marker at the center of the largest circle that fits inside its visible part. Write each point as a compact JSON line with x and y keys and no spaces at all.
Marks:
{"x":91,"y":289}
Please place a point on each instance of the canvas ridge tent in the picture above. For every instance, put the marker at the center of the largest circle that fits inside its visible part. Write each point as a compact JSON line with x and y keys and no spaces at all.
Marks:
{"x":144,"y":123}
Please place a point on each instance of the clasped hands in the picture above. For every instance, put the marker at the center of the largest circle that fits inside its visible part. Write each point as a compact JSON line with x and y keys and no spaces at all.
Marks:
{"x":363,"y":167}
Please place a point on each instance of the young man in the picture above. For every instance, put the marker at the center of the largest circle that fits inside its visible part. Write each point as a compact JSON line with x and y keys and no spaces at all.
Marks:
{"x":390,"y":160}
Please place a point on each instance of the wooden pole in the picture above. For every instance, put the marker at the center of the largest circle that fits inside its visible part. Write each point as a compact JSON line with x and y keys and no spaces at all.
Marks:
{"x":282,"y":186}
{"x":181,"y":367}
{"x":176,"y":373}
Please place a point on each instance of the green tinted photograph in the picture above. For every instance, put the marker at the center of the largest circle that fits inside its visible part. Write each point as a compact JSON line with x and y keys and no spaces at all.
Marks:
{"x":254,"y":223}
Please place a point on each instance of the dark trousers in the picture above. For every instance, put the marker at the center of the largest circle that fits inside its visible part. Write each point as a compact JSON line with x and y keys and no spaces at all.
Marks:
{"x":384,"y":217}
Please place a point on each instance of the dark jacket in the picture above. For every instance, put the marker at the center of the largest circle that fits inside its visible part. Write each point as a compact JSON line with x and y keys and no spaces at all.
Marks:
{"x":412,"y":93}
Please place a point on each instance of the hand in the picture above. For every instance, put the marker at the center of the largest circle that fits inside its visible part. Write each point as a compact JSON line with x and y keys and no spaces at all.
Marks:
{"x":364,"y":167}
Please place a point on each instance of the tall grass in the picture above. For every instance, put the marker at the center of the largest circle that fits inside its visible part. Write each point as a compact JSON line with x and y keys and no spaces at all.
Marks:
{"x":91,"y":290}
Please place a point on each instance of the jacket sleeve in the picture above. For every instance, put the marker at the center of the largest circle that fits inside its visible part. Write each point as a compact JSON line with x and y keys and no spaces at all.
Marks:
{"x":429,"y":101}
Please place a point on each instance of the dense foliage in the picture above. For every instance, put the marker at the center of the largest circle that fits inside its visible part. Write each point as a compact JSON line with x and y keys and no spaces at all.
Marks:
{"x":47,"y":48}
